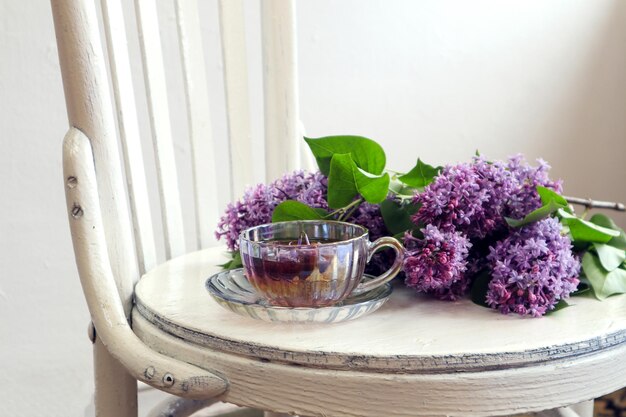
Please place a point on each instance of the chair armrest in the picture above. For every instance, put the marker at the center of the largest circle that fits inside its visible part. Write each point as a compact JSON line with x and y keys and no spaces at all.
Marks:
{"x":96,"y":277}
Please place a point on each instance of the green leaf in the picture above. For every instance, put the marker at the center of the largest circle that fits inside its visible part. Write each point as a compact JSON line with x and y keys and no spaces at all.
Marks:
{"x":341,"y":183}
{"x":605,"y":221}
{"x":294,"y":210}
{"x":366,"y":153}
{"x":323,"y":213}
{"x":480,"y":288}
{"x":577,"y":245}
{"x":374,"y":189}
{"x":346,"y":180}
{"x":547,"y":195}
{"x":586,"y":231}
{"x":235,"y":261}
{"x":421,"y":175}
{"x":610,"y":257}
{"x":603,"y":282}
{"x":535,"y":215}
{"x":397,"y":216}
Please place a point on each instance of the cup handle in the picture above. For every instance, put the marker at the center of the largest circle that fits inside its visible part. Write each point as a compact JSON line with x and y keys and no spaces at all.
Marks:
{"x":387,"y":276}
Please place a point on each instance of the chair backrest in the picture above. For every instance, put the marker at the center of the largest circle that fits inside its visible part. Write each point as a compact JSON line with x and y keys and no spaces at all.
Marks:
{"x":102,"y":102}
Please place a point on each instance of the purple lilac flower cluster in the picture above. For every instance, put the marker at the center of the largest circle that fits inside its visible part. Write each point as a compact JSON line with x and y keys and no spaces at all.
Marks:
{"x":532,"y":269}
{"x":258,"y":203}
{"x":473,"y":198}
{"x":368,"y":215}
{"x":437,"y":262}
{"x":468,"y":198}
{"x":307,"y":188}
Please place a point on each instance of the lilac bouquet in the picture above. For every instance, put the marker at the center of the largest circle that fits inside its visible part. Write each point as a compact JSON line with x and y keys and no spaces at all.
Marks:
{"x":497,"y":231}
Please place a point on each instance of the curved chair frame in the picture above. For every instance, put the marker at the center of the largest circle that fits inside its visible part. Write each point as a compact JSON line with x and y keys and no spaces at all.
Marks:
{"x":110,"y":257}
{"x":96,"y":277}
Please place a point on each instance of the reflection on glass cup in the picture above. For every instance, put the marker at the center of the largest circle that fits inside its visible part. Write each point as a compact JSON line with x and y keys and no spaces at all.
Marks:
{"x":312,"y":263}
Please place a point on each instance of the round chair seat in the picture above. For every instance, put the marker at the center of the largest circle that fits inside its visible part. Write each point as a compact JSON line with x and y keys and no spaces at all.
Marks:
{"x":573,"y":355}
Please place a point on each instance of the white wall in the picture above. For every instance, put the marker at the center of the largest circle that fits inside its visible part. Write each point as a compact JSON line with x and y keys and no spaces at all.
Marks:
{"x":442,"y":79}
{"x":44,"y":352}
{"x":437,"y":79}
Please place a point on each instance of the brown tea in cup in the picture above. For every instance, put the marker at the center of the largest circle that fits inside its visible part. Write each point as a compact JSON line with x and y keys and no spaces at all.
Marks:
{"x":311,"y":263}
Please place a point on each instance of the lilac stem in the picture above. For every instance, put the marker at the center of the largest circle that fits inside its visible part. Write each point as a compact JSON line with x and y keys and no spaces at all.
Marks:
{"x":589,"y":203}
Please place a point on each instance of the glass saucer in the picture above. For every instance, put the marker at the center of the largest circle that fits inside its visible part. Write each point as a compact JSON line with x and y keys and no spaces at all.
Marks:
{"x":232,"y":291}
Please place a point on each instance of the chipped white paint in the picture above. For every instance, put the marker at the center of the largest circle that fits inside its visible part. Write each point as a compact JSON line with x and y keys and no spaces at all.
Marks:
{"x":408,"y":334}
{"x":156,"y":88}
{"x":98,"y":284}
{"x":349,"y":393}
{"x":280,"y":81}
{"x":457,"y":356}
{"x":199,"y":117}
{"x":89,"y":110}
{"x":236,"y":87}
{"x":130,"y":137}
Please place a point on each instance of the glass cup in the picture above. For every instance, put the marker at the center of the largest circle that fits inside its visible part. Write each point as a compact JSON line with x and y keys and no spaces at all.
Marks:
{"x":312,"y":263}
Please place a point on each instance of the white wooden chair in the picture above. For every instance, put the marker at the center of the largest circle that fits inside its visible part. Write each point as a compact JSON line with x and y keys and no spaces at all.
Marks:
{"x":411,"y":358}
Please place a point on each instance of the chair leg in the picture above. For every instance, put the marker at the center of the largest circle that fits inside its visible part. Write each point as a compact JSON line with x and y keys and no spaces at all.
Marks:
{"x":116,"y":390}
{"x":584,"y":409}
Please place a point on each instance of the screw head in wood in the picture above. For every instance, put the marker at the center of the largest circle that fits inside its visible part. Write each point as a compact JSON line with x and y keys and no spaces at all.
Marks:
{"x":168,"y":379}
{"x":71,"y":182}
{"x":77,"y":211}
{"x":149,"y":372}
